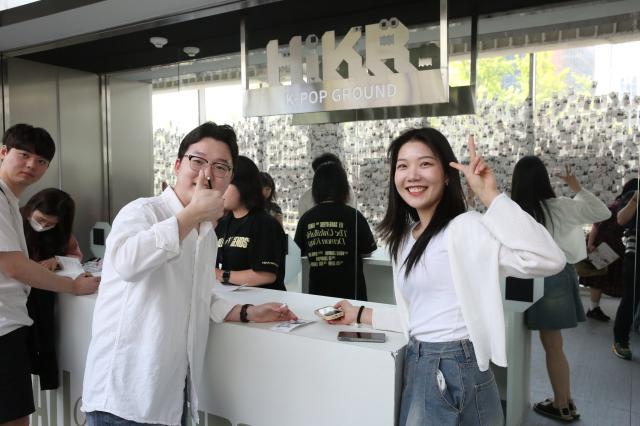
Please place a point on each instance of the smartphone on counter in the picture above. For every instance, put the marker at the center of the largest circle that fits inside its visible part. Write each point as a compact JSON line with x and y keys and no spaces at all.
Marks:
{"x":329,"y":313}
{"x":361,"y":336}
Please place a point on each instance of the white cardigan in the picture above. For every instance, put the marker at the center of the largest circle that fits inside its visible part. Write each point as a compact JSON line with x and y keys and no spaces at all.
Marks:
{"x":568,"y":215}
{"x":484,"y":249}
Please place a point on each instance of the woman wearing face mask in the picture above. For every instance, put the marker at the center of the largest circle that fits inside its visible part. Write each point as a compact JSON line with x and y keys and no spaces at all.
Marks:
{"x":447,"y":266}
{"x":48,"y":221}
{"x":251,"y":243}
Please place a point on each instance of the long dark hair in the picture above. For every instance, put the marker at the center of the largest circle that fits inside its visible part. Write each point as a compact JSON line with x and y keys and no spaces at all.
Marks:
{"x":52,"y":202}
{"x":246,"y":177}
{"x":631,"y":185}
{"x":399,"y":215}
{"x":267,"y":181}
{"x":330,"y":184}
{"x":531,"y":187}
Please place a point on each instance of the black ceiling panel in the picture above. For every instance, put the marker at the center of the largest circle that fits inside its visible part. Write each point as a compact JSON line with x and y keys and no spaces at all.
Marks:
{"x":220,"y":34}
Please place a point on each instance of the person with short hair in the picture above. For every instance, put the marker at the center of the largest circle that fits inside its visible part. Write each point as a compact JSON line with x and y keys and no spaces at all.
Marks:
{"x":25,"y":153}
{"x":251,"y":244}
{"x":335,"y":237}
{"x":151,"y":318}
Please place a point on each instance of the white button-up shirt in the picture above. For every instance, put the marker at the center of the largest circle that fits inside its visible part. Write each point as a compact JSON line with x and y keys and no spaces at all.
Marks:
{"x":13,"y":294}
{"x":151,"y":319}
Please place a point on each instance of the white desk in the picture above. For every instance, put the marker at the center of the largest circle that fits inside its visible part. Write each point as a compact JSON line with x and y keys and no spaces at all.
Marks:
{"x":255,"y":376}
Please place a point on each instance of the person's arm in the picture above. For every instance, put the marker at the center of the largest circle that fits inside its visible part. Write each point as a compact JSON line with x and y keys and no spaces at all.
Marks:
{"x":266,"y":312}
{"x":628,"y":211}
{"x":366,"y":241}
{"x":248,"y":277}
{"x":222,"y":310}
{"x":300,"y":238}
{"x":591,"y":238}
{"x":138,"y":244}
{"x":73,"y":248}
{"x":527,"y":248}
{"x":17,"y":266}
{"x":585,"y":207}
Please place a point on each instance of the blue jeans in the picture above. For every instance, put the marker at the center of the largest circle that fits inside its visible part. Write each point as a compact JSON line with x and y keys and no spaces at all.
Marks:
{"x":443,"y":386}
{"x":101,"y":418}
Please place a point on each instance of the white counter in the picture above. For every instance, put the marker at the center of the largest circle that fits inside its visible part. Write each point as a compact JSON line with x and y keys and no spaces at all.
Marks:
{"x":255,"y":376}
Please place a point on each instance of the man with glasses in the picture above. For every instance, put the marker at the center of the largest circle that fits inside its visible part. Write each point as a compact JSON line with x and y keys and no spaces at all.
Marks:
{"x":151,"y":319}
{"x":25,"y":153}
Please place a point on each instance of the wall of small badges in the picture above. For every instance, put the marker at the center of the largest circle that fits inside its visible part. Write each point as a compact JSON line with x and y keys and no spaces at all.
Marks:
{"x":597,"y":135}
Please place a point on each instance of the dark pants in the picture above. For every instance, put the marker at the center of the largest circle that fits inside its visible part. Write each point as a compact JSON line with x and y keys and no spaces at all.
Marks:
{"x":630,"y":298}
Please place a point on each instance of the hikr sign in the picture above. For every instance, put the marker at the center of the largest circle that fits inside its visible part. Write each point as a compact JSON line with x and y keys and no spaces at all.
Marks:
{"x":326,"y":75}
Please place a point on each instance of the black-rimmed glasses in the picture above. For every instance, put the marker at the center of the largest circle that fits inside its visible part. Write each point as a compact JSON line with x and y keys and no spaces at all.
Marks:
{"x":220,"y":170}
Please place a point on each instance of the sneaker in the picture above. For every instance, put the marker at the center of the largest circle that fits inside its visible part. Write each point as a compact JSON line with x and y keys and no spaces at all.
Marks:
{"x":621,"y":350}
{"x":597,"y":314}
{"x":547,"y":409}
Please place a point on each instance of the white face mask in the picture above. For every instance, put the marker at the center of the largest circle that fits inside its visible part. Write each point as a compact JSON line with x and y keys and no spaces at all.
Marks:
{"x":37,"y":226}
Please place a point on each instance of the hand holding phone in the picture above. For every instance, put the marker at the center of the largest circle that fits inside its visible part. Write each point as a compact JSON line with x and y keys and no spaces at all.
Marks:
{"x":329,"y":313}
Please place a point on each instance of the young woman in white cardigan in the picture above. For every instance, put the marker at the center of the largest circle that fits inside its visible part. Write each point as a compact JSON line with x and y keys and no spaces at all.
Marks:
{"x":560,"y":307}
{"x":447,"y":267}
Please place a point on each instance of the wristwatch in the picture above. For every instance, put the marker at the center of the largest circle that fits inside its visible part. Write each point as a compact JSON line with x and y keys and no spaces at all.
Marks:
{"x":225,"y":276}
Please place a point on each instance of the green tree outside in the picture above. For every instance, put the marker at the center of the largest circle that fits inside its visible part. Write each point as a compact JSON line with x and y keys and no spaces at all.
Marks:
{"x":506,"y":78}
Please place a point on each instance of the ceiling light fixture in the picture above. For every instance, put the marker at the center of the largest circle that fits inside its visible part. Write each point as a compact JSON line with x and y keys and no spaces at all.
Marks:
{"x":191,"y":51}
{"x":158,"y":42}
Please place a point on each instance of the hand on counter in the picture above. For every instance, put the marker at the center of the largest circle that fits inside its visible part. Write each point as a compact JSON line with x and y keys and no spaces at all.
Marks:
{"x":269,"y":312}
{"x":85,"y":284}
{"x":351,"y":314}
{"x":266,"y":312}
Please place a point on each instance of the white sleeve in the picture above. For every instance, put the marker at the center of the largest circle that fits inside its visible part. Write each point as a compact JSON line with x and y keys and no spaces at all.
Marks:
{"x":386,"y":319}
{"x":9,"y":236}
{"x":526,"y":247}
{"x":137,"y":244}
{"x":220,"y":307}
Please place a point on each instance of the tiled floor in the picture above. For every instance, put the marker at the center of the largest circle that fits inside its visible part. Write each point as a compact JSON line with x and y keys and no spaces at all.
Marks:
{"x":605,"y":388}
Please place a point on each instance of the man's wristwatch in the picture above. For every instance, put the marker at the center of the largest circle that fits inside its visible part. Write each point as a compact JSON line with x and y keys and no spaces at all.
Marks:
{"x":225,"y":276}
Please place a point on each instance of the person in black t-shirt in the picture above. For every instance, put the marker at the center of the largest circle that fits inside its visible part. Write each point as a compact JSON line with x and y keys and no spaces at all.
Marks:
{"x":334,"y":236}
{"x":250,"y":242}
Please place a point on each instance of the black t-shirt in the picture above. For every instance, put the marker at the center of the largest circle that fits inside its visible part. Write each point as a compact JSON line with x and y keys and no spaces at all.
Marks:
{"x":327,"y":234}
{"x":255,"y":241}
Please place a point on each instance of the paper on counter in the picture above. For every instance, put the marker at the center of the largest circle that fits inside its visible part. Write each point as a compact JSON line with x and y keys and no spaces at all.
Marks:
{"x":69,"y":266}
{"x":287,"y":326}
{"x":228,"y":288}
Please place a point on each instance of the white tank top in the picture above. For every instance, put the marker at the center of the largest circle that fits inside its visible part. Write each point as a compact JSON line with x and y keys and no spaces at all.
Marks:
{"x":434,"y":310}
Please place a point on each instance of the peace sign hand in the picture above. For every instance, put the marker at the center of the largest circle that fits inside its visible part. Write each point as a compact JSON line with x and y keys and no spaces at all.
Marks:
{"x":479,"y":175}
